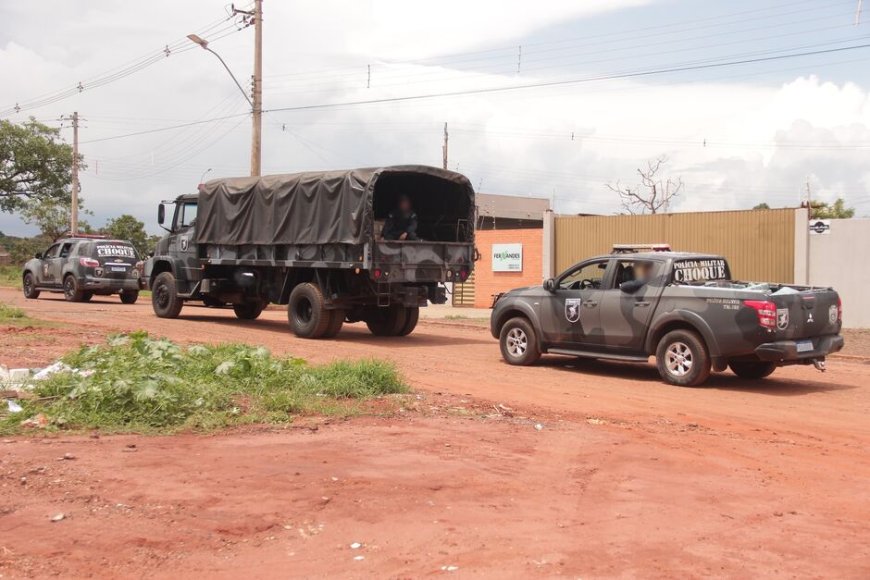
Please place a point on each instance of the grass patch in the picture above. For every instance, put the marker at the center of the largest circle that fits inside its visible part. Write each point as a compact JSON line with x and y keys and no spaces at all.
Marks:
{"x":10,"y":276}
{"x":139,"y":383}
{"x":11,"y":314}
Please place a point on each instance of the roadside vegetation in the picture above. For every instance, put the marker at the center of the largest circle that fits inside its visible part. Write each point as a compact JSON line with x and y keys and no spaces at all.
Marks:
{"x":10,"y":276}
{"x":138,"y":383}
{"x":11,"y":314}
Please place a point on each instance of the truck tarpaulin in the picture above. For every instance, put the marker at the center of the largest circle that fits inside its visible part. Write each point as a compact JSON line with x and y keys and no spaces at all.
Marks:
{"x":311,"y":208}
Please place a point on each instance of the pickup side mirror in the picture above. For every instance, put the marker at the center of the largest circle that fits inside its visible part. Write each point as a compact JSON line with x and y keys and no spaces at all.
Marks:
{"x":550,"y":285}
{"x":161,"y":214}
{"x":38,"y":255}
{"x":632,"y":286}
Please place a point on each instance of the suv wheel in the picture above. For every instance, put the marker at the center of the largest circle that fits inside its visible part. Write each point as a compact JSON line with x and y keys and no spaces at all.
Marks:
{"x":129,"y":296}
{"x":518,"y":342}
{"x":71,"y":290}
{"x":306,"y":313}
{"x":682,"y":358}
{"x":164,"y":296}
{"x":29,"y":287}
{"x":751,"y":369}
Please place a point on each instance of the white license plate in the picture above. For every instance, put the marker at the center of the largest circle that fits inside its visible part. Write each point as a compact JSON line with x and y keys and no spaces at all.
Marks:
{"x":805,"y":346}
{"x":118,"y":269}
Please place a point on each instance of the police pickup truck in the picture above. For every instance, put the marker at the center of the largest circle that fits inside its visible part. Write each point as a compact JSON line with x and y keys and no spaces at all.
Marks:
{"x":683,"y":308}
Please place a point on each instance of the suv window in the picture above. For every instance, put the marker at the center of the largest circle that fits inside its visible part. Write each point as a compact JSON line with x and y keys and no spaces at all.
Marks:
{"x":84,"y":249}
{"x":52,"y":251}
{"x":589,"y":275}
{"x":65,"y":248}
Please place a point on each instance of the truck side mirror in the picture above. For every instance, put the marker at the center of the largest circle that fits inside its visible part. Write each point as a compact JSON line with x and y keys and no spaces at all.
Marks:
{"x":550,"y":284}
{"x":161,"y":214}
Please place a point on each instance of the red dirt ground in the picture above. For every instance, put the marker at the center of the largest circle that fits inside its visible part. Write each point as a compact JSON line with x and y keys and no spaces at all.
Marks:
{"x":627,"y":477}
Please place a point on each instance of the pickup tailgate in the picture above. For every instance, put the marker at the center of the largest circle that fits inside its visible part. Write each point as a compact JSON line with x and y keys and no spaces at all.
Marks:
{"x":806,"y":313}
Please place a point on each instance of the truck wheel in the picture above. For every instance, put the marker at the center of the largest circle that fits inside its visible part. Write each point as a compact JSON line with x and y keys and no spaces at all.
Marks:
{"x":518,"y":342}
{"x":387,"y":321}
{"x":248,"y":310}
{"x":71,"y":290}
{"x":164,"y":296}
{"x":335,"y":324}
{"x":751,"y":369}
{"x":29,"y":287}
{"x":412,"y":316}
{"x":682,"y":358}
{"x":308,"y":318}
{"x":129,"y":296}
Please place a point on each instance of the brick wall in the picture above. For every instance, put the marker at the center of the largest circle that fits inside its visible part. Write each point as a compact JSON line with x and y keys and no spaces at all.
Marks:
{"x":487,"y":282}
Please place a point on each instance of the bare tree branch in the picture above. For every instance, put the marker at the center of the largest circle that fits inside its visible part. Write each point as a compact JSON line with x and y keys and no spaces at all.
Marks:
{"x":653,"y":195}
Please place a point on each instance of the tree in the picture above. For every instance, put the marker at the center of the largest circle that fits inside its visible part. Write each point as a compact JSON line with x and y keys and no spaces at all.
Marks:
{"x":653,"y":194}
{"x":837,"y":210}
{"x":127,"y":227}
{"x":762,"y":205}
{"x":35,"y":165}
{"x":52,"y":217}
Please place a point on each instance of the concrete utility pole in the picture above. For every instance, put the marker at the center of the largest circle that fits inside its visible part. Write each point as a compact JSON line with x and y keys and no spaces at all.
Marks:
{"x":444,"y":147}
{"x":807,"y":227}
{"x":257,"y":91}
{"x":74,"y":214}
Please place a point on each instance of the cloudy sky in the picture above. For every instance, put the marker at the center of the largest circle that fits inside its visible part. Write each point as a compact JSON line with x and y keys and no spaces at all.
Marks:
{"x":552,"y":99}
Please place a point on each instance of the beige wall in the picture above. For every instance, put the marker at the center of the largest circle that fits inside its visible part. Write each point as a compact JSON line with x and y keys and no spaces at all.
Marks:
{"x":841,"y":259}
{"x":759,"y":244}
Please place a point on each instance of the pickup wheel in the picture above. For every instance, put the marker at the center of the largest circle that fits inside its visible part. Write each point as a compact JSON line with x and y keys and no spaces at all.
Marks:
{"x":682,"y":358}
{"x":71,"y":290}
{"x":29,"y":287}
{"x":164,"y":296}
{"x":86,"y":296}
{"x":306,"y":313}
{"x":129,"y":296}
{"x":412,"y":316}
{"x":388,"y":321}
{"x":751,"y":369}
{"x":249,"y":310}
{"x":518,"y":342}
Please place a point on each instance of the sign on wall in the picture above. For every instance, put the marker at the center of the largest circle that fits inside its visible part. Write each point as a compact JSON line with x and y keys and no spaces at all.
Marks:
{"x":820,"y":227}
{"x":507,"y":257}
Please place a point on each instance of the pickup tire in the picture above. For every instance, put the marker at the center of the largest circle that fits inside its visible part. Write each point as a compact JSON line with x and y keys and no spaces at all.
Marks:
{"x":164,"y":296}
{"x":388,"y":321}
{"x":306,"y":312}
{"x":751,"y":369}
{"x":71,"y":289}
{"x":412,"y":316}
{"x":518,"y":342}
{"x":129,"y":296}
{"x":249,"y":310}
{"x":86,"y":296}
{"x":29,"y":286}
{"x":682,"y":358}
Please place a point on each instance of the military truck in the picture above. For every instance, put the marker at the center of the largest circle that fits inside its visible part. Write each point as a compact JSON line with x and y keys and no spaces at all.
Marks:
{"x":683,"y":308}
{"x":312,"y":241}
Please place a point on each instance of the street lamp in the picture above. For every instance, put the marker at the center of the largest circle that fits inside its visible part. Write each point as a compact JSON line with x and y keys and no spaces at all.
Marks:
{"x":204,"y":44}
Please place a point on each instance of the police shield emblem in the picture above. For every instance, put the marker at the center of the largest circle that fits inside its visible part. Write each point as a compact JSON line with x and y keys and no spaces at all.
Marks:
{"x":185,"y":242}
{"x":782,"y":318}
{"x":572,"y":309}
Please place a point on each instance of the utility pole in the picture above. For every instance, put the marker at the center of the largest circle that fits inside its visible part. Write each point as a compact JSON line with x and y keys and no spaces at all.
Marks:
{"x":444,"y":147}
{"x":257,"y":129}
{"x":74,"y":214}
{"x":807,"y":228}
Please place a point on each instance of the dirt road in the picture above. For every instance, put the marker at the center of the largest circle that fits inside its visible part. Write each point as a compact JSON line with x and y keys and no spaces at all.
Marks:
{"x":627,"y":477}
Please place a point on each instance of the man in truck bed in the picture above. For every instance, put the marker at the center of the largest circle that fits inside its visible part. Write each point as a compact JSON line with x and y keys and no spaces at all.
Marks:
{"x":685,"y":310}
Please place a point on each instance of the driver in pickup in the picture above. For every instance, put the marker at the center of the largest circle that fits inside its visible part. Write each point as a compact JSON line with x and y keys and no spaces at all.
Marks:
{"x":643,"y":272}
{"x":401,"y":223}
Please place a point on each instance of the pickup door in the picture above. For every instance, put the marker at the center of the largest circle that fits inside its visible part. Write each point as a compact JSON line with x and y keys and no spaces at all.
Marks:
{"x":571,"y":315}
{"x":625,"y":314}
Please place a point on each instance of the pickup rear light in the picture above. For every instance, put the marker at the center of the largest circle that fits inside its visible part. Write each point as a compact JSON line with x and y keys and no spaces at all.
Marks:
{"x":89,"y":263}
{"x":839,"y":309}
{"x":766,"y":312}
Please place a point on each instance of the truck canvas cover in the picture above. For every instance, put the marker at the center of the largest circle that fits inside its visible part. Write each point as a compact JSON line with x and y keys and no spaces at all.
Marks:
{"x":332,"y":207}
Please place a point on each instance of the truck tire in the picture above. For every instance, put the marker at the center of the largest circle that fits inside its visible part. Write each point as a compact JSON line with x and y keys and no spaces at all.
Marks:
{"x":129,"y":296}
{"x":249,"y":310}
{"x":387,"y":321}
{"x":412,"y":316}
{"x":29,"y":286}
{"x":335,"y":323}
{"x":71,"y":290}
{"x":751,"y":369}
{"x":306,"y":313}
{"x":518,"y":342}
{"x":682,"y":358}
{"x":164,"y":296}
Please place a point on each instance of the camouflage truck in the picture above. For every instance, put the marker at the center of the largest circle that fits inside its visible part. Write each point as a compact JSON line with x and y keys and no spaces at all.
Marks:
{"x":683,"y":308}
{"x":312,"y":241}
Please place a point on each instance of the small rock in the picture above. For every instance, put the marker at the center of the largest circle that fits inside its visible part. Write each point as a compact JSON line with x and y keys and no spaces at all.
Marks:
{"x":450,"y":568}
{"x":355,"y":546}
{"x":538,"y":427}
{"x":778,"y":514}
{"x":68,"y":456}
{"x":358,"y":558}
{"x":334,"y":479}
{"x":57,"y":517}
